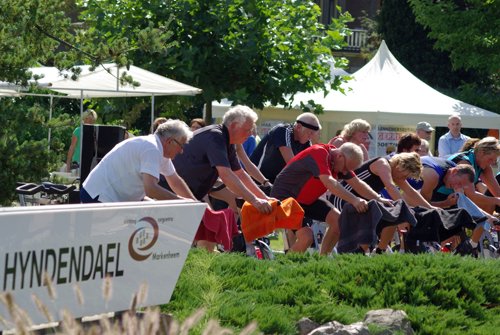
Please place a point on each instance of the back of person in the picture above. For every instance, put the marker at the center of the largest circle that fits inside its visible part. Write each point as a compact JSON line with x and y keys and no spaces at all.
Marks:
{"x":117,"y":177}
{"x":441,"y":166}
{"x":470,"y":158}
{"x":299,"y":179}
{"x":267,"y":156}
{"x":365,"y":174}
{"x":197,"y":164}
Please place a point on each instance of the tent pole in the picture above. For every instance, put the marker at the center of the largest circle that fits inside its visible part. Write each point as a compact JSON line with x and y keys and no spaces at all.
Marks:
{"x":81,"y":132}
{"x":152,"y":109}
{"x":50,"y":117}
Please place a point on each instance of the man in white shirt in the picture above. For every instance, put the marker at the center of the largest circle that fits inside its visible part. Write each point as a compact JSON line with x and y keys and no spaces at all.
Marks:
{"x":453,"y":140}
{"x":131,"y":170}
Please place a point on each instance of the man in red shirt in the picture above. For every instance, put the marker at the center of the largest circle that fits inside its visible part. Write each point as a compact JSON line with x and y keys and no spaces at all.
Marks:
{"x":309,"y":175}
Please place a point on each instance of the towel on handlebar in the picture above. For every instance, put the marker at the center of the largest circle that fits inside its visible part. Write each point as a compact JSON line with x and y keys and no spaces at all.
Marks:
{"x":362,"y":228}
{"x":287,"y":214}
{"x":219,"y":227}
{"x":473,"y":209}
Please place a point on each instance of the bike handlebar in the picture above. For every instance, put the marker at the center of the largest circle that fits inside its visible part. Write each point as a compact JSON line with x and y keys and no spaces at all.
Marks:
{"x":47,"y":187}
{"x":51,"y":188}
{"x":29,"y":188}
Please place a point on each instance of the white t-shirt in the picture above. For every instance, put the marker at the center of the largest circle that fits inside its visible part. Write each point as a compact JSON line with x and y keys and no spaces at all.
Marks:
{"x":118,"y":176}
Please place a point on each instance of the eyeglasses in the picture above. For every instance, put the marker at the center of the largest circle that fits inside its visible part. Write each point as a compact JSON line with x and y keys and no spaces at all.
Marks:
{"x":178,"y":143}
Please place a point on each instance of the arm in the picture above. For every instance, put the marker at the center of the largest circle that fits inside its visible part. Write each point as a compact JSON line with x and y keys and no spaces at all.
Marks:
{"x":485,"y":202}
{"x":431,"y":179}
{"x":287,"y":153}
{"x":365,"y":152}
{"x":383,"y":170}
{"x":179,"y":186}
{"x":411,"y":196}
{"x":366,"y":191}
{"x":338,"y":190}
{"x":71,"y":151}
{"x":249,"y":165}
{"x":489,"y":179}
{"x":249,"y":183}
{"x":155,"y":191}
{"x":443,"y":149}
{"x":232,"y":181}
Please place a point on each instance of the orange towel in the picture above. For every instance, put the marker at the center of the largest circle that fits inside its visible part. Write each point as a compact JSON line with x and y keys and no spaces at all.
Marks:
{"x":286,"y":214}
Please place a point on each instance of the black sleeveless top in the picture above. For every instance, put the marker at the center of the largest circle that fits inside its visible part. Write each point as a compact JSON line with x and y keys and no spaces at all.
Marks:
{"x":365,"y":174}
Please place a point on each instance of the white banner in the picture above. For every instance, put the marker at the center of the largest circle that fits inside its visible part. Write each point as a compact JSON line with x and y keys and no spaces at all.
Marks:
{"x":80,"y":245}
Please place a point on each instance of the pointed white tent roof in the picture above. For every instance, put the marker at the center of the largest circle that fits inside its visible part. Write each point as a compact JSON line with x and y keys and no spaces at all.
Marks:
{"x":383,"y":86}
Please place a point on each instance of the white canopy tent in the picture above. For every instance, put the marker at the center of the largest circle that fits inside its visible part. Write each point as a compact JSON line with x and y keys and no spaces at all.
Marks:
{"x":388,"y":96}
{"x":104,"y":82}
{"x":384,"y":92}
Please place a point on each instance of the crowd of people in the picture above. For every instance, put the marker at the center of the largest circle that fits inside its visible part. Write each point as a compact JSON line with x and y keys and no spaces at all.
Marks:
{"x":228,"y":162}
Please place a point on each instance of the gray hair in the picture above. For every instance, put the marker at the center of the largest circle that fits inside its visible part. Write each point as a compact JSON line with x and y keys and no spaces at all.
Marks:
{"x":352,"y":152}
{"x":239,"y":114}
{"x":176,"y":129}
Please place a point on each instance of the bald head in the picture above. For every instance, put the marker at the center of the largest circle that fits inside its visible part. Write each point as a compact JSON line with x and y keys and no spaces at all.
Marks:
{"x":309,"y":119}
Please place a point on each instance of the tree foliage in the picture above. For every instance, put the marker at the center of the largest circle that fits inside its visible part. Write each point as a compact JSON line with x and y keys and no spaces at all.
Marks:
{"x":416,"y":46}
{"x":468,"y":29}
{"x":22,"y":41}
{"x":408,"y":41}
{"x":250,"y":51}
{"x":24,"y":154}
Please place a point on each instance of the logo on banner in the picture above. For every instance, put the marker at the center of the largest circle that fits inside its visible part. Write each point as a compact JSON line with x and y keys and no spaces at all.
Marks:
{"x":143,"y":238}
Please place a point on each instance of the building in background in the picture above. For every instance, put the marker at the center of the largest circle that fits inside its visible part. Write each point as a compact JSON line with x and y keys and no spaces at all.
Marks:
{"x":358,"y":9}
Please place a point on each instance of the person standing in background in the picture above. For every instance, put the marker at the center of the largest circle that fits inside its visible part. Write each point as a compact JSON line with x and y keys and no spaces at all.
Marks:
{"x":424,"y":130}
{"x":451,"y":142}
{"x":73,"y":157}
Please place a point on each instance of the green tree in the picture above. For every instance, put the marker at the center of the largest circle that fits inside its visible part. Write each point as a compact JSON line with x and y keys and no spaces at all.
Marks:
{"x":24,"y":154}
{"x":408,"y":41}
{"x":34,"y":32}
{"x":22,"y":41}
{"x":469,"y":31}
{"x":250,"y":51}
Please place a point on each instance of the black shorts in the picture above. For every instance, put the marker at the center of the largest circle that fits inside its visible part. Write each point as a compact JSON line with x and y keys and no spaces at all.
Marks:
{"x":318,"y":210}
{"x":337,"y":202}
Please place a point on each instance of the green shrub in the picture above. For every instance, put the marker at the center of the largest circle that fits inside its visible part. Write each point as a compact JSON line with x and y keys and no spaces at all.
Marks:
{"x":442,"y":294}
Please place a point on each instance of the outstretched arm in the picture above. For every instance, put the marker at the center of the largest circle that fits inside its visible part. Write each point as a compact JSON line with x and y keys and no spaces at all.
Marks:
{"x":237,"y":186}
{"x":338,"y":190}
{"x":155,"y":191}
{"x":250,"y":167}
{"x":179,"y":186}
